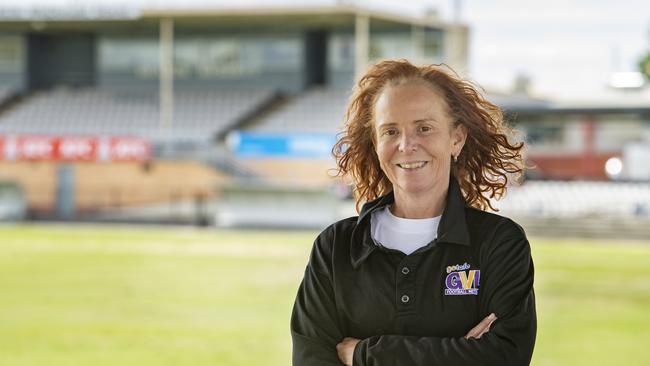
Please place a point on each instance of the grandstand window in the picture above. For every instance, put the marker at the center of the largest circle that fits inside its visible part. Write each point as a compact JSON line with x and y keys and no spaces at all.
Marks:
{"x":614,"y":131}
{"x":282,"y":54}
{"x":202,"y":57}
{"x":207,"y":58}
{"x":11,"y":60}
{"x":433,"y":38}
{"x":11,"y":53}
{"x":543,"y":134}
{"x":341,"y":52}
{"x":383,"y":44}
{"x":391,"y":45}
{"x":239,"y":56}
{"x":138,"y":57}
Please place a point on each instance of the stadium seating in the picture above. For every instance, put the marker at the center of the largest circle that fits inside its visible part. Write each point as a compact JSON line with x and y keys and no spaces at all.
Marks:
{"x":569,"y":199}
{"x":198,"y":114}
{"x":316,"y":110}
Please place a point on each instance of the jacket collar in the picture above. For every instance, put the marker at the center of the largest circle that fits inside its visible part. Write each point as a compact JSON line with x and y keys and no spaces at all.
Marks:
{"x":452,"y":228}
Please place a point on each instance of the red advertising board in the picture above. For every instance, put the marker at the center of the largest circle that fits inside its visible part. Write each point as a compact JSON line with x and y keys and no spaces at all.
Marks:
{"x":128,"y":149}
{"x":77,"y":148}
{"x":36,"y":147}
{"x":74,"y":148}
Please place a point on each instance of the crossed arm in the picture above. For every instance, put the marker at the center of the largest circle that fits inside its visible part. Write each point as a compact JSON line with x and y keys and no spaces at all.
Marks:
{"x":345,"y":349}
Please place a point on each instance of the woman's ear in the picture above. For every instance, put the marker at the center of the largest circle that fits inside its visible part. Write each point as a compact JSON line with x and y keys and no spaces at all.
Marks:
{"x":458,"y":138}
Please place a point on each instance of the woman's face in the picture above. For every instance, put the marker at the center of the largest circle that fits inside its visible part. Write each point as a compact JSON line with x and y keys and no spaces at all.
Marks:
{"x":415,"y":138}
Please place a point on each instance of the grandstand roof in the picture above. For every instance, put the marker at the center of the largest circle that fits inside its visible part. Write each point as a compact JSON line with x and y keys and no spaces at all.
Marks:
{"x":319,"y":11}
{"x":522,"y":105}
{"x":611,"y":104}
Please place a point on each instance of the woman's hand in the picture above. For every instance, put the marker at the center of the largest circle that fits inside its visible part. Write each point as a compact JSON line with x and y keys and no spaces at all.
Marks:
{"x":482,"y":327}
{"x":345,"y":350}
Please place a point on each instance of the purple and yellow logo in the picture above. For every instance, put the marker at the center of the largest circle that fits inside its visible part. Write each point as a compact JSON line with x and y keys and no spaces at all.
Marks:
{"x":460,"y":282}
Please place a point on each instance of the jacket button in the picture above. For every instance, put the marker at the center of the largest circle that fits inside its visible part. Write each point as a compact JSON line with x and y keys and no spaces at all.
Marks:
{"x":405,"y":270}
{"x":405,"y":299}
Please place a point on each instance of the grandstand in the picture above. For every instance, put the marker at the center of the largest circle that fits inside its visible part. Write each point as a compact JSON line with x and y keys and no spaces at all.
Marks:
{"x":181,"y":78}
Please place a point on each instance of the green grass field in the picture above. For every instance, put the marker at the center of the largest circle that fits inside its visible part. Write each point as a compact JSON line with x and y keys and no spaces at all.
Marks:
{"x":109,"y":295}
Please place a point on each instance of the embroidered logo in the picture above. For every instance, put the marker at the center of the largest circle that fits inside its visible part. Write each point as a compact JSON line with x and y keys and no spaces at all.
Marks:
{"x":461,"y":282}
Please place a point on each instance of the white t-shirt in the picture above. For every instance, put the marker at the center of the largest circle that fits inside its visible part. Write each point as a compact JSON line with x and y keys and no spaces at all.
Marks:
{"x":405,"y":235}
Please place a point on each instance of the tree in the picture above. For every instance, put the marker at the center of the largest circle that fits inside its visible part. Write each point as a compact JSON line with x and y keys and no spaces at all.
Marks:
{"x":644,"y":65}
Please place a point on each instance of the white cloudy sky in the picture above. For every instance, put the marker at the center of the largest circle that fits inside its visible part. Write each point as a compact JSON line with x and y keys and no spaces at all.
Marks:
{"x":569,"y":48}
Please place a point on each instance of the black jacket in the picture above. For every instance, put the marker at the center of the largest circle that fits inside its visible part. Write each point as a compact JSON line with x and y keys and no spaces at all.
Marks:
{"x":415,"y":309}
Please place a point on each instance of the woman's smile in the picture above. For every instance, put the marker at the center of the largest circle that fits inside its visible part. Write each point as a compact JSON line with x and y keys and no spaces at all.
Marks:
{"x":410,"y":166}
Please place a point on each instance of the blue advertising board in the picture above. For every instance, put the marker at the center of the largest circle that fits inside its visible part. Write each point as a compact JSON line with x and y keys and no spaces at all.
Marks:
{"x":299,"y":145}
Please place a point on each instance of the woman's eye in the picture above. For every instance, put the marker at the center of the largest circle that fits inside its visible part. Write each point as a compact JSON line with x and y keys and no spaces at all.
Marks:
{"x":425,"y":129}
{"x":390,"y":132}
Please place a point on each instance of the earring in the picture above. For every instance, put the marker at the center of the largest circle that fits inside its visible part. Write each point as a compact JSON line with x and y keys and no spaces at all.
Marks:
{"x":455,"y":157}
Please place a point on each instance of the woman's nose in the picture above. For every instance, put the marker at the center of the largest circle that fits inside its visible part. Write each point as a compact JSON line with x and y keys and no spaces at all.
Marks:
{"x":407,"y":143}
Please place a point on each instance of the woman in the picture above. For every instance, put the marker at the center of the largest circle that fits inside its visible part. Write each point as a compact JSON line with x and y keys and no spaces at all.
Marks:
{"x":423,"y":276}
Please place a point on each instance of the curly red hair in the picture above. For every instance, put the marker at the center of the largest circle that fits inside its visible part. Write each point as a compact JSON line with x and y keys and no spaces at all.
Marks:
{"x":485,"y":163}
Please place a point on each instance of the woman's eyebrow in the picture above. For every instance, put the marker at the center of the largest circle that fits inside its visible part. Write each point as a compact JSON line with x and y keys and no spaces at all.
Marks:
{"x":391,"y":124}
{"x":387,"y":124}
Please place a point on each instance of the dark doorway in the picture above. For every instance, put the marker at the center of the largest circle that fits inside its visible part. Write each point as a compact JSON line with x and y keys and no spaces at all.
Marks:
{"x":316,"y":57}
{"x":55,"y":60}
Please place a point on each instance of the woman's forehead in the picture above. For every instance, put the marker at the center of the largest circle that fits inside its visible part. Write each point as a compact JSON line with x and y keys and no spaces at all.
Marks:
{"x":410,"y":101}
